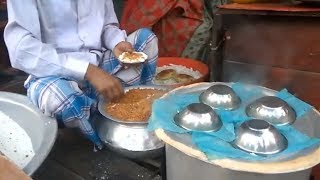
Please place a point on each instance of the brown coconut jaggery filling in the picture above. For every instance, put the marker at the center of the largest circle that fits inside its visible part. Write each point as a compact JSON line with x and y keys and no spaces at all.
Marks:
{"x":135,"y":105}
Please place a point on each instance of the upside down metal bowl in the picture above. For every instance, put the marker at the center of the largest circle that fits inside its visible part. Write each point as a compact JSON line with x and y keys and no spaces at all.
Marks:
{"x":130,"y":139}
{"x":272,"y":109}
{"x":220,"y":96}
{"x":198,"y":117}
{"x":259,"y":137}
{"x":179,"y":157}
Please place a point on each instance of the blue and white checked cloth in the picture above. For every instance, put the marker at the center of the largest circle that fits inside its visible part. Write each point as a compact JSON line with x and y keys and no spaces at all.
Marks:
{"x":70,"y":102}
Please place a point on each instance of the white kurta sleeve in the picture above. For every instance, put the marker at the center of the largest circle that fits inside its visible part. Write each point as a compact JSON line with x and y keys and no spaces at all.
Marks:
{"x":112,"y":34}
{"x":28,"y":53}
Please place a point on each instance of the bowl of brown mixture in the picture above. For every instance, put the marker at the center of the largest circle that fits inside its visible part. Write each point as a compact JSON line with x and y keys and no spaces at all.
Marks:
{"x":122,"y":124}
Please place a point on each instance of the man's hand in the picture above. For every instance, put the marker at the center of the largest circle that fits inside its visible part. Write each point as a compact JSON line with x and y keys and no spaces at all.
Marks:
{"x":122,"y":47}
{"x":105,"y":84}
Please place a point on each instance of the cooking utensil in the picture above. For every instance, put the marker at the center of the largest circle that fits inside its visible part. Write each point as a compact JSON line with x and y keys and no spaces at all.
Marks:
{"x":272,"y":109}
{"x":199,"y":117}
{"x":259,"y":137}
{"x":128,"y":139}
{"x":102,"y":102}
{"x":131,"y":139}
{"x":41,"y":129}
{"x":182,"y":154}
{"x":220,"y":96}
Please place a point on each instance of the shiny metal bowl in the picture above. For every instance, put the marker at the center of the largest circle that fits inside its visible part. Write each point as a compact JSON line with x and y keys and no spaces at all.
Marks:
{"x":198,"y":117}
{"x":220,"y":96}
{"x":130,"y":139}
{"x":259,"y":137}
{"x":272,"y":109}
{"x":42,"y":130}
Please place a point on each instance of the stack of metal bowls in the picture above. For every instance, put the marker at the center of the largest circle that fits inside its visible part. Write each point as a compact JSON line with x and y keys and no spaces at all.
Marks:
{"x":272,"y":109}
{"x":198,"y":117}
{"x":259,"y":137}
{"x":220,"y":96}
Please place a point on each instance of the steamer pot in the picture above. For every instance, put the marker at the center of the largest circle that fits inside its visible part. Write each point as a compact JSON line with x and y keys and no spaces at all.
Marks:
{"x":184,"y":161}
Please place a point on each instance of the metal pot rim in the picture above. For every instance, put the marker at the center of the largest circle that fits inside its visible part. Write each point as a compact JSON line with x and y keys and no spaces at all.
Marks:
{"x":101,"y":104}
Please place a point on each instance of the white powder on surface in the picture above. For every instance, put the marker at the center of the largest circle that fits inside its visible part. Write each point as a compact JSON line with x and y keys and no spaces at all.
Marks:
{"x":15,"y":143}
{"x":180,"y":69}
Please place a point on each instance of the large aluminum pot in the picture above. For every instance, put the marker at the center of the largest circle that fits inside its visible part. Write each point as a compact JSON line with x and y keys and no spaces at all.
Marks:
{"x":192,"y":168}
{"x":184,"y":161}
{"x":131,"y":139}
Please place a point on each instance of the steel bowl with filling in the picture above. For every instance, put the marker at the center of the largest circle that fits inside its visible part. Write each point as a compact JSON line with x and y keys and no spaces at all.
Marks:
{"x":272,"y":109}
{"x":220,"y":96}
{"x":131,"y":139}
{"x":198,"y":117}
{"x":259,"y":137}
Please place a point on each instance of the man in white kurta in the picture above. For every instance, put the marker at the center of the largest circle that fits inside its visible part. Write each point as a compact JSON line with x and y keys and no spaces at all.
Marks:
{"x":70,"y":50}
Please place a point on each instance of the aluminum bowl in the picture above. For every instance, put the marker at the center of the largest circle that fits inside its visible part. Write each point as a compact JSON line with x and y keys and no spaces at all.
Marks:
{"x":130,"y":139}
{"x":220,"y":96}
{"x":272,"y":109}
{"x":198,"y":117}
{"x":259,"y":137}
{"x":41,"y":129}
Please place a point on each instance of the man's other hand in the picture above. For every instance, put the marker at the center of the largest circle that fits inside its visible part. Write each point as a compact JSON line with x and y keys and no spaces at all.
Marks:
{"x":122,"y":47}
{"x":106,"y":85}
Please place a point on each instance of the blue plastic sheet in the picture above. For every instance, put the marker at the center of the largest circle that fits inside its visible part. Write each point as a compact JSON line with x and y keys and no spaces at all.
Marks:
{"x":219,"y":144}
